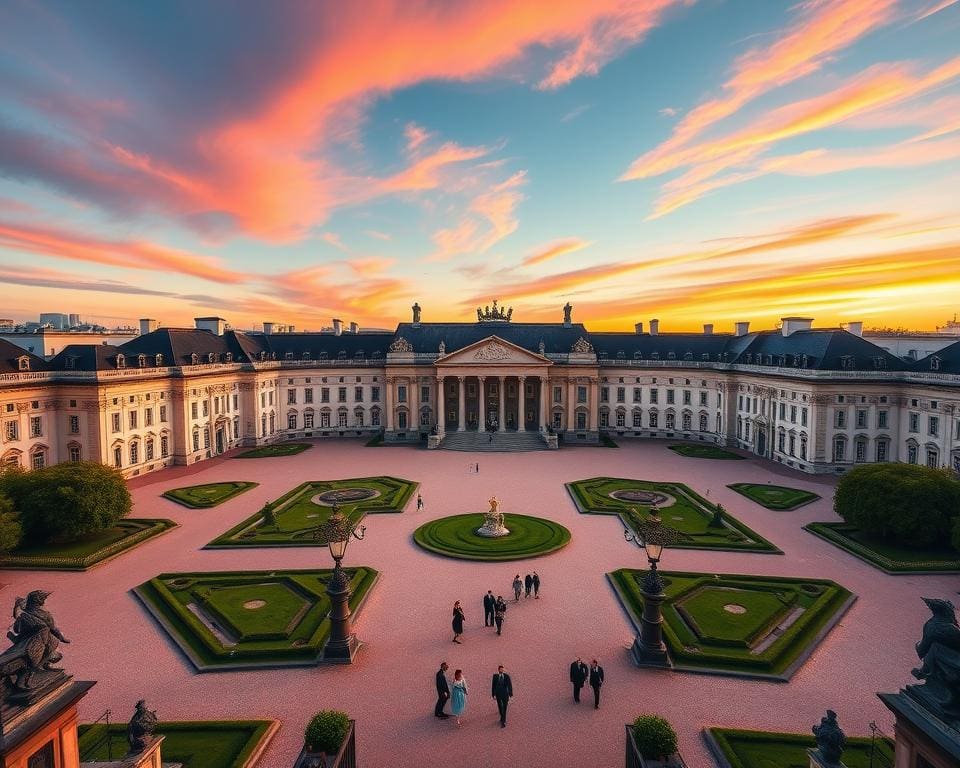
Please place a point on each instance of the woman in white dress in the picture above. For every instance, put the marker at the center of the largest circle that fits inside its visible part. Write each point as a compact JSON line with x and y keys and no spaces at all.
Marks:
{"x":458,"y":695}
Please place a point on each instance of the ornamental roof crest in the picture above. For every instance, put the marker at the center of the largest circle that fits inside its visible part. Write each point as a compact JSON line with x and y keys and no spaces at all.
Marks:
{"x":495,"y":315}
{"x":400,"y":344}
{"x":492,"y":351}
{"x":581,"y":345}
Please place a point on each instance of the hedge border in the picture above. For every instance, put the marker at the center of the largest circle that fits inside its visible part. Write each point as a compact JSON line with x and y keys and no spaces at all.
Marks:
{"x":176,"y":623}
{"x":834,"y":618}
{"x":679,"y":448}
{"x":418,"y":537}
{"x":247,"y":454}
{"x":740,"y":488}
{"x":157,"y":527}
{"x":716,"y":740}
{"x":833,"y":533}
{"x":241,"y":486}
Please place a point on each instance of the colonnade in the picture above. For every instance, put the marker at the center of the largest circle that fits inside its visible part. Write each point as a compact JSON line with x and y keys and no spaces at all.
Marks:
{"x":483,"y":403}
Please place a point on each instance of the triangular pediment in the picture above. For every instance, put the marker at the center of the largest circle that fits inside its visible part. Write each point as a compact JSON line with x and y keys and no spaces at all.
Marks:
{"x":492,"y":351}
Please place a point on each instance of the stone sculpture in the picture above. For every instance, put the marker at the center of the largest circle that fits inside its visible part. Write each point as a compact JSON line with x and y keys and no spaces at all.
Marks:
{"x":35,"y":639}
{"x":830,"y":739}
{"x":939,"y":652}
{"x":140,"y":730}
{"x":567,"y":312}
{"x":493,"y":524}
{"x":416,"y":312}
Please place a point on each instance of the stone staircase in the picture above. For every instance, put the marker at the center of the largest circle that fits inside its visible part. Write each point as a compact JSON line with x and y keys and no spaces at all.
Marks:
{"x":503,"y":442}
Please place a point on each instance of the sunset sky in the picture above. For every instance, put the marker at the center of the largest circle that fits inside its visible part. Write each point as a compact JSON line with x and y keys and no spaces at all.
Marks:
{"x":692,"y":160}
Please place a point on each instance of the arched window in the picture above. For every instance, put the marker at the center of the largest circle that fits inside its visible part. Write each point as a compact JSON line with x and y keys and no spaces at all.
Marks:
{"x":135,"y":453}
{"x":839,"y":449}
{"x":621,"y":418}
{"x":121,"y":361}
{"x":703,"y":422}
{"x":740,"y":427}
{"x":913,"y":452}
{"x":292,"y":420}
{"x":358,"y":417}
{"x":159,"y":360}
{"x":637,"y":418}
{"x":148,"y":449}
{"x":654,"y":419}
{"x":933,"y":456}
{"x":860,"y":450}
{"x":687,"y":421}
{"x":803,"y":447}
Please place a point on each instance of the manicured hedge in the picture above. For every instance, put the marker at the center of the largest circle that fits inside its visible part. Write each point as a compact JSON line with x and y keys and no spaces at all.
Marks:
{"x":778,"y":497}
{"x":736,"y":748}
{"x":456,"y":536}
{"x":209,"y":494}
{"x":277,"y":449}
{"x":695,"y":451}
{"x":888,"y":557}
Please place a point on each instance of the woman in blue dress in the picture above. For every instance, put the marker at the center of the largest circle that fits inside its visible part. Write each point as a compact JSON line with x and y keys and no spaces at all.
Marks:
{"x":458,"y":695}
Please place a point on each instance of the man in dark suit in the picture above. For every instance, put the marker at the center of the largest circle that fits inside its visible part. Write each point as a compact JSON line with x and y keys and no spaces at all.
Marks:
{"x":499,"y":608}
{"x":443,"y":691}
{"x":578,"y":676}
{"x":502,"y":689}
{"x":596,"y":681}
{"x":489,"y":603}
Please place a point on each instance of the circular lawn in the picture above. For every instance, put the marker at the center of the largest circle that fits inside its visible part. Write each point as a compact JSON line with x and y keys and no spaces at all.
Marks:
{"x":456,"y":537}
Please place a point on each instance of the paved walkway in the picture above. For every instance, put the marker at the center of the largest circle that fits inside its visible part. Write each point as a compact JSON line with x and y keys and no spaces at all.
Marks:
{"x":406,"y":622}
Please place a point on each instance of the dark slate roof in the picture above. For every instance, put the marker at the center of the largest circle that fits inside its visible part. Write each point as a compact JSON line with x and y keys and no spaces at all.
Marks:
{"x":10,"y":355}
{"x":947,"y":360}
{"x":661,"y":346}
{"x":557,"y":338}
{"x":346,"y":346}
{"x":85,"y":357}
{"x":177,"y":345}
{"x":825,"y":350}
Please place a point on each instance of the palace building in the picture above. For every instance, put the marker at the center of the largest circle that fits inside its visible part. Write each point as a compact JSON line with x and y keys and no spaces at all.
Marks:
{"x":815,"y":399}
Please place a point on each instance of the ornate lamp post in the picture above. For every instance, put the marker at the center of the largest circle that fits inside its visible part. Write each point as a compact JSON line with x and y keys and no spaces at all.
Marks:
{"x":649,"y":649}
{"x":342,"y":644}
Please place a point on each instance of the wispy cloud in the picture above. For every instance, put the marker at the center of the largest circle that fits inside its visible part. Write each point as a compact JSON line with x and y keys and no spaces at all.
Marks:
{"x":574,"y":113}
{"x":553,"y":250}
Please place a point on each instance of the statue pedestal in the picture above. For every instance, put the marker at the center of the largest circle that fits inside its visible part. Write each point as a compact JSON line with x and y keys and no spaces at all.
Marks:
{"x":493,"y":531}
{"x":817,"y":760}
{"x":921,"y":737}
{"x":43,"y":732}
{"x":433,"y":441}
{"x":149,"y":758}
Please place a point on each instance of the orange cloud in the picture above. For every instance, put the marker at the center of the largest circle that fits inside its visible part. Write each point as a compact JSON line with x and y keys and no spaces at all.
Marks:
{"x":554,"y":250}
{"x":558,"y":284}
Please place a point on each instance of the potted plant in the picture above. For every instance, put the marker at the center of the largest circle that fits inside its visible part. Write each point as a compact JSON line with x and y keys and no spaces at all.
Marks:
{"x":655,"y":741}
{"x":326,"y":731}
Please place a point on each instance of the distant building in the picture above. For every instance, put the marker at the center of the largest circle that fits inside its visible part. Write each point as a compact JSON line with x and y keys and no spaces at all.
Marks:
{"x":6,"y":324}
{"x":56,"y":320}
{"x":47,"y":342}
{"x":74,"y":320}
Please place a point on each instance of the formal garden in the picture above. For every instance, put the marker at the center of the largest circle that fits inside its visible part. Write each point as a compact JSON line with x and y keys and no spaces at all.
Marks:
{"x":900,"y":518}
{"x":248,"y":619}
{"x":192,"y":743}
{"x":68,"y":517}
{"x":749,"y":626}
{"x":697,"y":523}
{"x":208,"y":494}
{"x":735,"y":748}
{"x":293,"y":519}
{"x":698,"y":451}
{"x":776,"y":497}
{"x":273,"y":451}
{"x":456,"y":536}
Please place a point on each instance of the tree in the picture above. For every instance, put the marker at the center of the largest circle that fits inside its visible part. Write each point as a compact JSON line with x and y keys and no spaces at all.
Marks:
{"x":66,"y":501}
{"x":11,"y":531}
{"x":956,"y":534}
{"x":268,"y":515}
{"x":654,"y":736}
{"x":912,"y":505}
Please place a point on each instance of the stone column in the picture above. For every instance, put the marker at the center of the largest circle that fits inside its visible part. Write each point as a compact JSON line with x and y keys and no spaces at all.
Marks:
{"x":441,"y":408}
{"x":481,"y":404}
{"x":413,"y":400}
{"x":544,"y":392}
{"x":502,"y":427}
{"x":522,"y":403}
{"x":461,"y":404}
{"x":571,"y":404}
{"x":388,"y":394}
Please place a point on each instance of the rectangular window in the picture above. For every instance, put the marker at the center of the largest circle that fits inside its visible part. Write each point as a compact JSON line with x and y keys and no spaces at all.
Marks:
{"x":74,"y":425}
{"x":932,"y":458}
{"x":637,"y":395}
{"x":840,"y":419}
{"x":637,"y":420}
{"x":308,"y":395}
{"x":793,"y":414}
{"x":37,"y":460}
{"x":196,"y":439}
{"x":324,"y":394}
{"x":882,"y":450}
{"x":148,"y":449}
{"x":134,"y":453}
{"x":670,"y":397}
{"x":861,"y":449}
{"x":604,"y":395}
{"x":36,"y":429}
{"x":291,"y":421}
{"x":703,"y":399}
{"x":341,"y":394}
{"x":803,"y":417}
{"x":654,"y":395}
{"x":115,"y":421}
{"x":781,"y":442}
{"x":374,"y":394}
{"x":308,"y":420}
{"x":358,"y":394}
{"x":163,"y":414}
{"x":425,"y":394}
{"x":193,"y":410}
{"x":236,"y":401}
{"x":621,"y":394}
{"x":914,"y":422}
{"x":581,"y":394}
{"x":783,"y":410}
{"x":604,"y":418}
{"x":401,"y":393}
{"x":117,"y":457}
{"x":654,"y":419}
{"x":342,"y":419}
{"x":881,"y":419}
{"x":558,"y":421}
{"x":933,"y":426}
{"x":793,"y":445}
{"x":133,"y":419}
{"x":686,"y":397}
{"x":324,"y":420}
{"x":861,"y":418}
{"x":205,"y":407}
{"x":164,"y":446}
{"x":148,"y":417}
{"x":557,"y":394}
{"x":74,"y":453}
{"x":291,"y":397}
{"x":206,"y":438}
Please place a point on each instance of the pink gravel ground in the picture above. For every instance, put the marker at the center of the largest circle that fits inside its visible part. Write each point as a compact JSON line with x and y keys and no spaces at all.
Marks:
{"x":406,"y":622}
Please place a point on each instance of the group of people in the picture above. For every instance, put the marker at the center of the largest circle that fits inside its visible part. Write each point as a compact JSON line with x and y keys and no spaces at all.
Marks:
{"x":494,"y":608}
{"x":529,"y":585}
{"x":580,"y":674}
{"x":501,"y":689}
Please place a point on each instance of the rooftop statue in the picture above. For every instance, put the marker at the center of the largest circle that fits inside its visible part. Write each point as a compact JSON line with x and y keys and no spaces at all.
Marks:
{"x":494,"y":314}
{"x":35,"y":639}
{"x":939,"y":652}
{"x":830,"y":739}
{"x":141,"y":728}
{"x":567,"y":312}
{"x":416,"y":312}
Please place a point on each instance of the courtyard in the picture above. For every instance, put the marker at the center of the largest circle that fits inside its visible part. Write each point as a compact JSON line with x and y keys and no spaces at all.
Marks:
{"x":405,"y":620}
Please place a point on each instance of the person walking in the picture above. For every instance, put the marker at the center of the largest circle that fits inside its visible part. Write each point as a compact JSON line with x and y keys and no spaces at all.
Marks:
{"x":502,"y":690}
{"x":500,"y":608}
{"x":458,"y":618}
{"x":517,"y":588}
{"x":596,"y":681}
{"x":578,"y":676}
{"x":536,"y":585}
{"x":478,"y":467}
{"x":527,"y":585}
{"x":458,"y":700}
{"x":419,"y":502}
{"x":489,"y":607}
{"x":443,"y":691}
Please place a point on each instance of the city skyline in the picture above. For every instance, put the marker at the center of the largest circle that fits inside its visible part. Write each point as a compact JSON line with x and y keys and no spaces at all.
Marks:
{"x":696,"y":161}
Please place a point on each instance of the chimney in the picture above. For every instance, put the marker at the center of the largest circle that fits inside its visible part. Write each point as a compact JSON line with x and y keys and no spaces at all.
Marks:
{"x":791,"y":325}
{"x":337,"y":326}
{"x":215,"y":325}
{"x":638,"y":327}
{"x":856,"y":328}
{"x":148,"y":326}
{"x":354,"y":328}
{"x":742,"y":328}
{"x":268,"y":327}
{"x":708,"y":329}
{"x":654,"y":327}
{"x":291,"y":329}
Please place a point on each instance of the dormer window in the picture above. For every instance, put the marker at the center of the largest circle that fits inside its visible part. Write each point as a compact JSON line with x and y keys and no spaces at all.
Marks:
{"x":141,"y":361}
{"x":194,"y":359}
{"x":342,"y":354}
{"x":935,"y":363}
{"x":288,"y":355}
{"x":375,"y":354}
{"x":604,"y":355}
{"x":671,"y":355}
{"x":306,"y":356}
{"x":769,"y":360}
{"x":638,"y":355}
{"x":654,"y":355}
{"x":70,"y":363}
{"x":359,"y":354}
{"x":879,"y":362}
{"x":705,"y":356}
{"x":688,"y":356}
{"x":323,"y":355}
{"x":263,"y":356}
{"x":212,"y":357}
{"x":159,"y":360}
{"x":620,"y":354}
{"x":121,"y":361}
{"x":847,"y":362}
{"x":804,"y":361}
{"x":229,"y":357}
{"x":749,"y":358}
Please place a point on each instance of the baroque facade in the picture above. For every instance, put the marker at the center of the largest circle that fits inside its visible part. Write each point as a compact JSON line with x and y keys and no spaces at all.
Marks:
{"x":817,"y":400}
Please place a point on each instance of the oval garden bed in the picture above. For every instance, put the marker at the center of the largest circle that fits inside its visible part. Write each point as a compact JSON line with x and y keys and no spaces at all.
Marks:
{"x":456,"y":537}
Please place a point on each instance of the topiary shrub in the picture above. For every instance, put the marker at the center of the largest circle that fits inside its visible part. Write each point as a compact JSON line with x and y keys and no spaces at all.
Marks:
{"x":955,"y":539}
{"x":914,"y":505}
{"x":268,"y":515}
{"x":654,"y":736}
{"x":11,"y":531}
{"x":326,"y":731}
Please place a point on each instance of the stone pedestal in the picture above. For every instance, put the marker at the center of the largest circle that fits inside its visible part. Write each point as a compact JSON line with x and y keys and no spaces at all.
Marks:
{"x":149,"y":758}
{"x":817,"y":760}
{"x":922,"y":739}
{"x":433,"y":441}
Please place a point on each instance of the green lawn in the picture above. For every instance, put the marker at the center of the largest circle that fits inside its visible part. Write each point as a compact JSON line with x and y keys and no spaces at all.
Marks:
{"x":695,"y":451}
{"x":685,"y":511}
{"x":88,"y":550}
{"x":277,"y":449}
{"x":298,"y":515}
{"x":888,"y":557}
{"x":208,"y":495}
{"x":456,"y":536}
{"x":195,"y":744}
{"x":765,"y":749}
{"x":773,"y":623}
{"x":261,"y":619}
{"x":777,"y":497}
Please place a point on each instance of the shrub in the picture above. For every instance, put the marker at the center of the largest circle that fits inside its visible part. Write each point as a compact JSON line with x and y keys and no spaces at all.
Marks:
{"x":326,"y":731}
{"x":11,"y":531}
{"x":912,"y":504}
{"x":955,"y":539}
{"x":66,"y":501}
{"x":654,"y":736}
{"x":268,"y":515}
